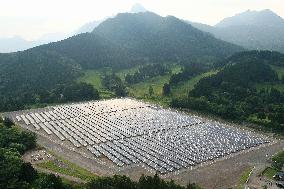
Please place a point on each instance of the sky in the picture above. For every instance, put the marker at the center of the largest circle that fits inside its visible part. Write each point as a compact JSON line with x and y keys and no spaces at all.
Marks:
{"x":32,"y":19}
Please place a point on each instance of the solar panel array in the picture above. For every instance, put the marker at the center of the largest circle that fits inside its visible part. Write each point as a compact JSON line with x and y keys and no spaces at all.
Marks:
{"x":128,"y":132}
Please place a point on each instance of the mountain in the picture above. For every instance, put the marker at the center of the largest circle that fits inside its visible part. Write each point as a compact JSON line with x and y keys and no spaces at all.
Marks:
{"x":137,"y":38}
{"x":131,"y":39}
{"x":14,"y":44}
{"x":160,"y":39}
{"x":264,"y":18}
{"x":41,"y":74}
{"x":260,"y":30}
{"x":91,"y":51}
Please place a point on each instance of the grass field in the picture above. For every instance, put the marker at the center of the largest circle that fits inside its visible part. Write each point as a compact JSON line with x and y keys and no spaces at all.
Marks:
{"x":244,"y":177}
{"x":141,"y":90}
{"x":92,"y":77}
{"x":269,"y":172}
{"x":182,"y":89}
{"x":268,"y":86}
{"x":63,"y":166}
{"x":279,"y":70}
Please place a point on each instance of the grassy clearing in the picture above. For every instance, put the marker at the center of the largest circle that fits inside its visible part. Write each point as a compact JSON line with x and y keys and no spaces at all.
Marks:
{"x":92,"y":77}
{"x":269,"y":172}
{"x":182,"y":89}
{"x":123,"y":73}
{"x":244,"y":177}
{"x":63,"y":166}
{"x":253,"y":118}
{"x":279,"y":70}
{"x":267,"y":86}
{"x":141,"y":90}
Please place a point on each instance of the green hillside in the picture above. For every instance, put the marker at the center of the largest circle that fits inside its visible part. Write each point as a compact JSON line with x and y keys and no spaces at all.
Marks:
{"x":140,"y":90}
{"x":232,"y":92}
{"x":183,"y":88}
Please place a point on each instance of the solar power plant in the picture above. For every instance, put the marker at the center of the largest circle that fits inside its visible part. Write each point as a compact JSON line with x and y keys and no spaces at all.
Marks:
{"x":127,"y":132}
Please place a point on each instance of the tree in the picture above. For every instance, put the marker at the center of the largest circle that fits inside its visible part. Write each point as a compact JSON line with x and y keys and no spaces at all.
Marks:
{"x":8,"y":122}
{"x":166,"y":89}
{"x":50,"y":182}
{"x":28,"y":173}
{"x":261,"y":115}
{"x":151,"y":90}
{"x":10,"y":168}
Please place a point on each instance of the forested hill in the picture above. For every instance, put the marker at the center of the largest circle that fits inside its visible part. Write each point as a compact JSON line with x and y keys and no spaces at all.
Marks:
{"x":239,"y":90}
{"x":35,"y":70}
{"x":31,"y":77}
{"x":160,"y":39}
{"x":269,"y":57}
{"x":92,"y":51}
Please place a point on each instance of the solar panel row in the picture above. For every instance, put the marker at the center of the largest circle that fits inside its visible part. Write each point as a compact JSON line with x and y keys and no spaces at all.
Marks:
{"x":127,"y":132}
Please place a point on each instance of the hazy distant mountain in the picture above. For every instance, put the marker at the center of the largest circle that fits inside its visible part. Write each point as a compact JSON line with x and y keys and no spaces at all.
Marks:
{"x":264,"y":18}
{"x":14,"y":44}
{"x":136,"y":8}
{"x":263,"y":30}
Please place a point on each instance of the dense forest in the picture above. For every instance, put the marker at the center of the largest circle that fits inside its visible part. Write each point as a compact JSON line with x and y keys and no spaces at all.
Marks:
{"x":232,"y":92}
{"x":38,"y":77}
{"x":92,"y":51}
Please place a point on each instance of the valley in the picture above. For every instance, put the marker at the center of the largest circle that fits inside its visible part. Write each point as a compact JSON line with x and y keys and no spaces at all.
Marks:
{"x":143,"y":101}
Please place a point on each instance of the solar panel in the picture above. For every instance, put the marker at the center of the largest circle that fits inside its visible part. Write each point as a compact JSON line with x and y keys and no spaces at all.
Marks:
{"x":128,"y":131}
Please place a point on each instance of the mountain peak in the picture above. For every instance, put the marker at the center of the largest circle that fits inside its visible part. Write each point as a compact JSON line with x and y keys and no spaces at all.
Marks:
{"x":136,"y":8}
{"x":253,"y":18}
